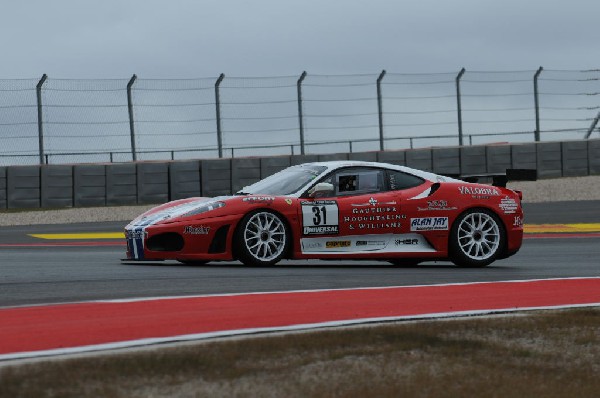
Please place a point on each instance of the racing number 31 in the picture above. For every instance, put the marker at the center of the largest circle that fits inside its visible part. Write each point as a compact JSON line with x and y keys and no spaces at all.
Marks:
{"x":320,"y":217}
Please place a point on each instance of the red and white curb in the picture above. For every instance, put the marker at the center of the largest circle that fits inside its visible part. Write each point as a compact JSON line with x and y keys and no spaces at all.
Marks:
{"x":36,"y":331}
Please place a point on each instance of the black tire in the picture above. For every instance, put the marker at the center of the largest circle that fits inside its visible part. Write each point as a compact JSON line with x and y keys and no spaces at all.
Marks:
{"x":262,"y":239}
{"x":477,"y":238}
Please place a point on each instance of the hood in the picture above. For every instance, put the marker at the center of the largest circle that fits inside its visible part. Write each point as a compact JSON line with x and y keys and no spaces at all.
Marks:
{"x":177,"y":209}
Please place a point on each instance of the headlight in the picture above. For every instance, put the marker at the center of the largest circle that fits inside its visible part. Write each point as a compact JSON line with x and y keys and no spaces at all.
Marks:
{"x":204,"y":208}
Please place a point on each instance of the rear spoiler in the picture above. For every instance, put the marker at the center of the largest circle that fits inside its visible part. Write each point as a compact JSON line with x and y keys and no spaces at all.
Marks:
{"x":500,"y":179}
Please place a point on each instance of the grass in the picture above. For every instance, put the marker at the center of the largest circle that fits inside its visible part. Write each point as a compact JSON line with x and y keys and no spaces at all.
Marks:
{"x":549,"y":354}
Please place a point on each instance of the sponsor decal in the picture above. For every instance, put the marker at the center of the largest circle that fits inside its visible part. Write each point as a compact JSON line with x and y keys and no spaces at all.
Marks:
{"x":374,"y":215}
{"x":393,"y":225}
{"x":289,"y":201}
{"x":372,"y":202}
{"x":436,"y":205}
{"x":320,"y":217}
{"x":382,"y":217}
{"x":374,"y":210}
{"x":311,"y":245}
{"x":429,"y":224}
{"x":518,"y":222}
{"x":318,"y":202}
{"x":321,"y":230}
{"x":479,"y":192}
{"x":258,"y":199}
{"x":196,"y":230}
{"x":508,"y":205}
{"x":400,"y":242}
{"x":337,"y":243}
{"x":136,"y":234}
{"x":370,"y":243}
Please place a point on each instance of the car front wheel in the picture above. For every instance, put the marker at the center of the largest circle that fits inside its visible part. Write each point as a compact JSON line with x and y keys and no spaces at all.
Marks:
{"x":262,"y":239}
{"x":477,"y":238}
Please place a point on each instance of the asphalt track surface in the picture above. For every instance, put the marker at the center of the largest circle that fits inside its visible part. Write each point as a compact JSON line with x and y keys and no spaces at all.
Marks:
{"x":43,"y":274}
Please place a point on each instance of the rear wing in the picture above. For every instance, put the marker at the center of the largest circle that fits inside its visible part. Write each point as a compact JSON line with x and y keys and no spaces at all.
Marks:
{"x":501,"y":179}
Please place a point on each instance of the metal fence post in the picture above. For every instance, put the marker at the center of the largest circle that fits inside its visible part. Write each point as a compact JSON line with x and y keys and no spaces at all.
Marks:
{"x":592,"y":126}
{"x":380,"y":109}
{"x":218,"y":110}
{"x":38,"y":90}
{"x":459,"y":107}
{"x":300,"y":113}
{"x":537,"y":104}
{"x":130,"y":110}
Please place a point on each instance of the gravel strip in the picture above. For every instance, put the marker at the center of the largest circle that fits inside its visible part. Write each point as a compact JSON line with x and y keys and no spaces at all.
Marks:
{"x":552,"y":190}
{"x":74,"y":215}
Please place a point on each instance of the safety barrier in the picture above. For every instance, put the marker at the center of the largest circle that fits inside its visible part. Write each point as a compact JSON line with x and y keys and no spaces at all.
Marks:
{"x":61,"y":186}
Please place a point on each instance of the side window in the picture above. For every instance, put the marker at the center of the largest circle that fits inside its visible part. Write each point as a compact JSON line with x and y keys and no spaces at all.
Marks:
{"x":398,"y":180}
{"x":358,"y":182}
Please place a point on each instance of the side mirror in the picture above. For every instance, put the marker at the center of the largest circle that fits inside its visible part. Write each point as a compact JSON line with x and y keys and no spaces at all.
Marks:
{"x":322,"y":189}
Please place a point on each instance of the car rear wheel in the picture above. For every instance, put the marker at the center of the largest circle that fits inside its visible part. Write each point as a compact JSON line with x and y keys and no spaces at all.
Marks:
{"x":262,"y":239}
{"x":477,"y":238}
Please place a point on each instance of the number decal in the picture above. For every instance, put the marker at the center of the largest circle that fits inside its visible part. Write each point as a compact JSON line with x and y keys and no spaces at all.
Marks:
{"x":317,"y":217}
{"x":320,"y":217}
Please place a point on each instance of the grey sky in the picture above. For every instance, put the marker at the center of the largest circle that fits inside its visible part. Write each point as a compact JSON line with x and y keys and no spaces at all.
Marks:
{"x":186,"y":39}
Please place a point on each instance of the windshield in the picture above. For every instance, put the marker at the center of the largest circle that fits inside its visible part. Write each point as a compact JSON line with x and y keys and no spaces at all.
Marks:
{"x":285,"y":182}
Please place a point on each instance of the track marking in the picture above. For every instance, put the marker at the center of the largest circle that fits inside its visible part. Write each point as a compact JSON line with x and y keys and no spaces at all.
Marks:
{"x":527,"y":228}
{"x":65,"y":244}
{"x":80,"y":235}
{"x":565,"y":228}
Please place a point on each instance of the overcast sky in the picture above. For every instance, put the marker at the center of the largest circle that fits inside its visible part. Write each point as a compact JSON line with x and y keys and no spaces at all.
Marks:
{"x":202,"y":38}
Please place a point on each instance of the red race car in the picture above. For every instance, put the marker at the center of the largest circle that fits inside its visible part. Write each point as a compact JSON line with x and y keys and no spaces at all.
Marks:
{"x":342,"y":210}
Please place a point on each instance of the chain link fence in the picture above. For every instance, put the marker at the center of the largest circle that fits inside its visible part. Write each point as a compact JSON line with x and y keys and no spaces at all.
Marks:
{"x":74,"y":121}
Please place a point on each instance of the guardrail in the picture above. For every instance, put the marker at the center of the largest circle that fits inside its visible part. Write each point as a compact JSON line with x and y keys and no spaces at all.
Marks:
{"x":130,"y":183}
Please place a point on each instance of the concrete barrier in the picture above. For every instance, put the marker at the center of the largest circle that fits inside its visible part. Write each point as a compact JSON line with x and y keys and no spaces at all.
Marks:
{"x":575,"y":158}
{"x":332,"y":156}
{"x":57,"y":186}
{"x":89,"y":185}
{"x":216,"y":177}
{"x":594,"y":157}
{"x":121,"y":184}
{"x":184,"y":179}
{"x":549,"y":160}
{"x":132,"y":183}
{"x":446,"y":160}
{"x":498,"y":158}
{"x":392,"y":157}
{"x":244,"y":172}
{"x":524,"y":156}
{"x":420,"y":159}
{"x":152,"y":183}
{"x":2,"y":187}
{"x":299,"y":159}
{"x":472,"y":160}
{"x":23,"y":187}
{"x":364,"y":156}
{"x":270,"y":166}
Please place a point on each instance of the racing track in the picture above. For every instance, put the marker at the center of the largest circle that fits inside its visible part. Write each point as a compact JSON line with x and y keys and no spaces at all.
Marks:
{"x":34,"y":271}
